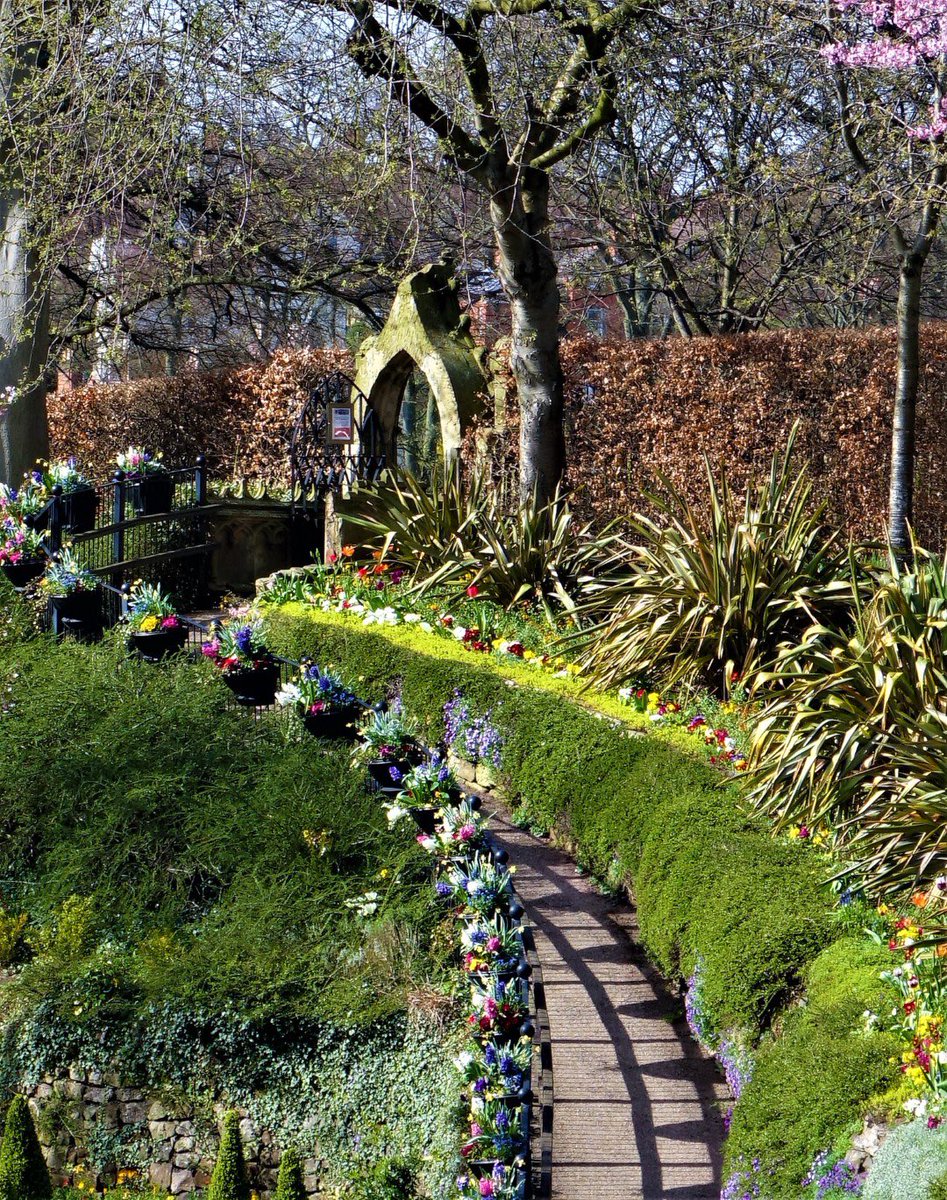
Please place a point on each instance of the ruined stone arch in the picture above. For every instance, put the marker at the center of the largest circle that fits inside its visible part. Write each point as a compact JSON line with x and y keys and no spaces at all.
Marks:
{"x":425,"y":330}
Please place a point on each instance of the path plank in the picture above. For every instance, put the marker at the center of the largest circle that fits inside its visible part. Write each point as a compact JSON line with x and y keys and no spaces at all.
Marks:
{"x":637,"y":1106}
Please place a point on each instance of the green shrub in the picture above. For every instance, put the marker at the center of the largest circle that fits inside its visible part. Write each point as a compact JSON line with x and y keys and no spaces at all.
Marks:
{"x":699,"y":599}
{"x":23,"y":1173}
{"x":707,"y":878}
{"x":289,"y":1183}
{"x":173,"y":851}
{"x":811,"y":1084}
{"x":938,"y":1189}
{"x":909,"y":1161}
{"x":229,"y":1180}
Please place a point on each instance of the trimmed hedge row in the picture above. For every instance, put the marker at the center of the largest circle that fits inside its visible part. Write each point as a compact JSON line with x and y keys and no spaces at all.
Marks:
{"x":709,"y":881}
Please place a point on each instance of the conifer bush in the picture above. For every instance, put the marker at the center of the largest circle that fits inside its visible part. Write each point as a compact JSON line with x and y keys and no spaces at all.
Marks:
{"x":229,"y":1180}
{"x":23,"y":1173}
{"x":289,"y":1184}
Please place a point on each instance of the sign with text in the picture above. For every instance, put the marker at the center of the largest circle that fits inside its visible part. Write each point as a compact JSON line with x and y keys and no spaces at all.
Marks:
{"x":341,"y":424}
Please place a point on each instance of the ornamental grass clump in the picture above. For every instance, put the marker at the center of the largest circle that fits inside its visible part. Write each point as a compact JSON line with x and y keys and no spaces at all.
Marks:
{"x":229,"y":1180}
{"x":23,"y":1173}
{"x":854,"y":735}
{"x":707,"y":599}
{"x":459,"y":533}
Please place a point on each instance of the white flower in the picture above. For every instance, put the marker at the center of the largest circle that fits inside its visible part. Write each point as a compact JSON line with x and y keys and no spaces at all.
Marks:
{"x":474,"y":886}
{"x":464,"y":1060}
{"x":289,"y":693}
{"x":459,"y":632}
{"x":395,"y":813}
{"x":411,"y":618}
{"x":426,"y":626}
{"x":427,"y":843}
{"x":380,"y":616}
{"x":365,"y":905}
{"x":916,"y":1107}
{"x":625,"y":694}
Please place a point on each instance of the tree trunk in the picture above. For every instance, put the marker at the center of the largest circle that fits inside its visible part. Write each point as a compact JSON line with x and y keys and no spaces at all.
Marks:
{"x":24,"y":301}
{"x":24,"y":345}
{"x":519,"y":206}
{"x":901,"y":493}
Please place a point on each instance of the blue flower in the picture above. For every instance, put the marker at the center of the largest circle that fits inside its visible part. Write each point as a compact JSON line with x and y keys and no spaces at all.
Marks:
{"x":442,"y":888}
{"x":490,"y":1055}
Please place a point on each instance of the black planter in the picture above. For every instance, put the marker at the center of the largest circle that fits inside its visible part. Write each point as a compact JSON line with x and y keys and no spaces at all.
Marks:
{"x":337,"y":724}
{"x":254,"y":686}
{"x":379,"y":770}
{"x":24,"y":571}
{"x":79,"y":614}
{"x":155,"y":644}
{"x":79,"y":509}
{"x":152,"y":494}
{"x":425,"y":819}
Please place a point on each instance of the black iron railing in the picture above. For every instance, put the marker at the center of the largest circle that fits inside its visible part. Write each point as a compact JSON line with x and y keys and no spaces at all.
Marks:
{"x":153,"y":527}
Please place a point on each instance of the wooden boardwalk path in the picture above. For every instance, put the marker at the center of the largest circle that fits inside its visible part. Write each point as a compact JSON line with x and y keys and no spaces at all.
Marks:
{"x":637,"y":1106}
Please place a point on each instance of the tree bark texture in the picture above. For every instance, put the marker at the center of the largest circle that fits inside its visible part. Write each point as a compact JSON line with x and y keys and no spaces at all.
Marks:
{"x":24,"y":300}
{"x":901,"y":488}
{"x":519,"y":207}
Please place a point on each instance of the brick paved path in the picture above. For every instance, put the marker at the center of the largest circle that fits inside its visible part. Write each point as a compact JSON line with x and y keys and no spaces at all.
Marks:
{"x":636,"y":1112}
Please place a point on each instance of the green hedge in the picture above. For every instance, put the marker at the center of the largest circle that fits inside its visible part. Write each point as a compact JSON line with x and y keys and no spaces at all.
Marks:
{"x":644,"y":809}
{"x":708,"y":880}
{"x":811,"y":1084}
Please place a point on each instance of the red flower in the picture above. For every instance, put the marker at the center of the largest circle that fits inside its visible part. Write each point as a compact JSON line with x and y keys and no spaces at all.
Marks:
{"x":473,"y":590}
{"x":909,"y":1006}
{"x":333,"y":557}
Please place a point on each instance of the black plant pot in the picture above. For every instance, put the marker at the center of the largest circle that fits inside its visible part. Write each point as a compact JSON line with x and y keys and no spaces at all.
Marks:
{"x":152,"y":494}
{"x":254,"y":686}
{"x":79,"y":614}
{"x":380,"y":770}
{"x":425,"y":819}
{"x":337,"y":724}
{"x":155,"y":644}
{"x":23,"y":572}
{"x":79,"y":509}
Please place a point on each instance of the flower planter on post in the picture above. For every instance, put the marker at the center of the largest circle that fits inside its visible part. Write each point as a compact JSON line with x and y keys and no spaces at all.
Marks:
{"x":79,"y":510}
{"x":156,"y":644}
{"x":23,"y":572}
{"x":152,"y":494}
{"x":254,"y":686}
{"x":336,"y":724}
{"x":78,"y":614}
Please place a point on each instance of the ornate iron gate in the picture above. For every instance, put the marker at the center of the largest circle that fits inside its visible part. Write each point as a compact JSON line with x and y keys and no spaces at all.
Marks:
{"x":336,"y":442}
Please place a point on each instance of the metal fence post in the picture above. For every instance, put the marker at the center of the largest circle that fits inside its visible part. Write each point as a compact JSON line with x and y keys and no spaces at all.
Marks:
{"x":200,"y":479}
{"x":118,"y":521}
{"x":55,"y":520}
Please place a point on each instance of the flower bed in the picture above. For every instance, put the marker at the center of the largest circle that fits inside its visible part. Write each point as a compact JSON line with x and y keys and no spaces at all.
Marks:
{"x":473,"y":879}
{"x":717,"y":896}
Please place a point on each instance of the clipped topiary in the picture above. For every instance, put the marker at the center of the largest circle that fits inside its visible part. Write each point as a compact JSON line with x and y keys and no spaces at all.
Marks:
{"x":23,"y":1173}
{"x":229,"y":1181}
{"x":289,"y":1184}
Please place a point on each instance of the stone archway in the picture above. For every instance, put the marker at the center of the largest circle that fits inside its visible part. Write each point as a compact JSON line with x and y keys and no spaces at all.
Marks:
{"x":425,"y":330}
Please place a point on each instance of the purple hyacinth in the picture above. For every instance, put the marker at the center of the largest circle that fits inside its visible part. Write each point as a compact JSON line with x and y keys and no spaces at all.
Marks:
{"x":243,"y":639}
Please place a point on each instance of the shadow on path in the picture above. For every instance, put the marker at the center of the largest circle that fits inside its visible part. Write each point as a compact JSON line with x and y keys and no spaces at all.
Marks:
{"x":637,"y":1105}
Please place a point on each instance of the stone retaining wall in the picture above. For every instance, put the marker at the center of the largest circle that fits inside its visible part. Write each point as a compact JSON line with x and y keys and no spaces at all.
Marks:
{"x":92,"y":1124}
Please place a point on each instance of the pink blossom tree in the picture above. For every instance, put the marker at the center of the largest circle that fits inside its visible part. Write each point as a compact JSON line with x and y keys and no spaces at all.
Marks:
{"x":906,"y":41}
